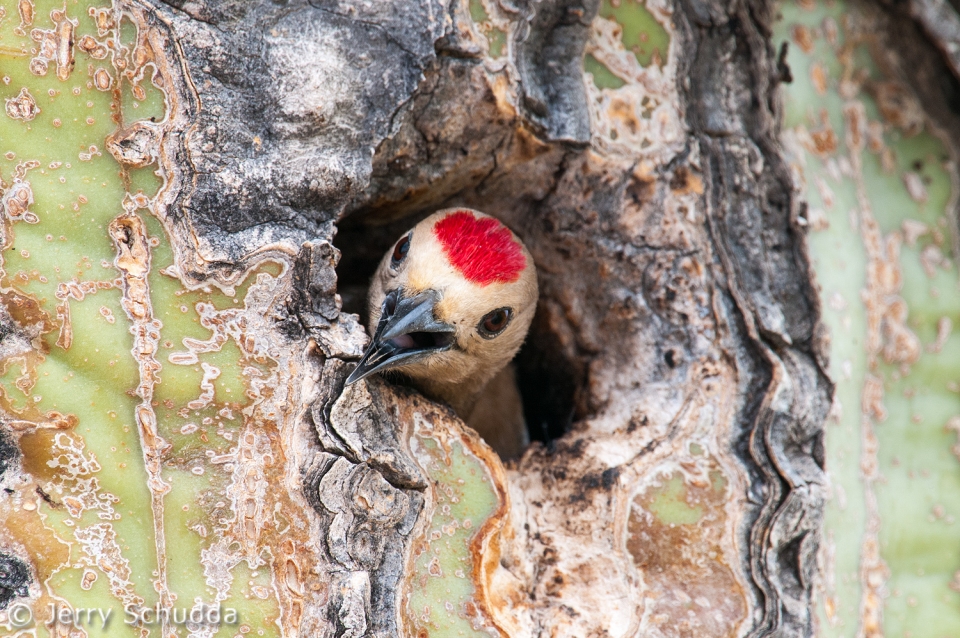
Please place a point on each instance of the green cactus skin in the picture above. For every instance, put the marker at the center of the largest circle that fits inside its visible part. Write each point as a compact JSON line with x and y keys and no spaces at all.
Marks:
{"x":881,"y":236}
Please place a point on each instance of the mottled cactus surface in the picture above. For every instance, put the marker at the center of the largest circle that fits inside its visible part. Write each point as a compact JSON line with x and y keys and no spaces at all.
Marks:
{"x":881,"y":188}
{"x":148,"y":406}
{"x":167,"y":430}
{"x":134,"y":397}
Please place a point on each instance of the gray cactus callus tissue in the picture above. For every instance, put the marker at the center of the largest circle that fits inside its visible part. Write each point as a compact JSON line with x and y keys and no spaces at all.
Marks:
{"x":199,"y":195}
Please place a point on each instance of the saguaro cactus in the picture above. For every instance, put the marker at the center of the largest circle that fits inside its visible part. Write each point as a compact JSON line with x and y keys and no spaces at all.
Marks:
{"x":741,"y":381}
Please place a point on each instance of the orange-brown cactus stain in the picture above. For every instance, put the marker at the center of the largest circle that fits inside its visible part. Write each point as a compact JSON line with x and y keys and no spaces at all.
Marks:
{"x":676,"y":535}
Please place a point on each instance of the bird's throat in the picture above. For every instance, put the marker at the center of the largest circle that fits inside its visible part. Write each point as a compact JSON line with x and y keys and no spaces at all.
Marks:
{"x":455,"y":395}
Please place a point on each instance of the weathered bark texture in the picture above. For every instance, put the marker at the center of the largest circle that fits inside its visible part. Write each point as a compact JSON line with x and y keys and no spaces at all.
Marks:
{"x":675,"y":288}
{"x":763,"y":304}
{"x":676,"y":354}
{"x":751,"y":214}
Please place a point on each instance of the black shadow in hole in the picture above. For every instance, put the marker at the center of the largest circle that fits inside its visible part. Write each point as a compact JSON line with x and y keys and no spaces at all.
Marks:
{"x":362,"y":246}
{"x":548,"y":382}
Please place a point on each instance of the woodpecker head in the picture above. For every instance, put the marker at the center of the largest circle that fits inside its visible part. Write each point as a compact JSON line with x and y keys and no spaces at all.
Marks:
{"x":450,"y":305}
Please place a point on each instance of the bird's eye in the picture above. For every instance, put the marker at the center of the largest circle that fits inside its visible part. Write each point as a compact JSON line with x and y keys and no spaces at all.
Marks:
{"x":494,"y":322}
{"x":400,"y":250}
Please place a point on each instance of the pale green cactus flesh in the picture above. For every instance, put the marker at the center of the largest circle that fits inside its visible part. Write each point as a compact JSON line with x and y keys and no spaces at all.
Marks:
{"x":145,"y":410}
{"x":878,"y":183}
{"x":625,"y":26}
{"x":603,"y":77}
{"x":493,"y":30}
{"x":90,"y":516}
{"x":442,"y":586}
{"x":640,"y":31}
{"x":132,"y":395}
{"x":630,"y":79}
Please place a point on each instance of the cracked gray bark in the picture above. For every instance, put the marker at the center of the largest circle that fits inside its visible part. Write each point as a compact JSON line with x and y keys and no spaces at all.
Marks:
{"x":444,"y":139}
{"x":752,"y":219}
{"x":677,"y":305}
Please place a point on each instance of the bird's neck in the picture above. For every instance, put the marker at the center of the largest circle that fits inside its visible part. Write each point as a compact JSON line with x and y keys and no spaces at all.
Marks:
{"x":455,"y":395}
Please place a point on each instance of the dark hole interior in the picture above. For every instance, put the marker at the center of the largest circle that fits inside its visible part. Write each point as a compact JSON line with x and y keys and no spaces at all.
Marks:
{"x":362,"y":245}
{"x":548,"y":382}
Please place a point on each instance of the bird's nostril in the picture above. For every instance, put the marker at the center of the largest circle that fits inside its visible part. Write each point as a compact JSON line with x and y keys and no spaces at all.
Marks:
{"x":390,"y":303}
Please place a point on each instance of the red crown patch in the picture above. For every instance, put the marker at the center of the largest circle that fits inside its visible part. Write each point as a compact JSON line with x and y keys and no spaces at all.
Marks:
{"x":481,"y":248}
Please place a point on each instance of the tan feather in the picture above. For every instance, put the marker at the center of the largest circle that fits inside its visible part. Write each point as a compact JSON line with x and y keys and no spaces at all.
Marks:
{"x":460,"y":375}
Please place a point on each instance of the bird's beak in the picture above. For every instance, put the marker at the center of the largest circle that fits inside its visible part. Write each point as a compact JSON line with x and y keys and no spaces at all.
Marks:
{"x":407,"y":331}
